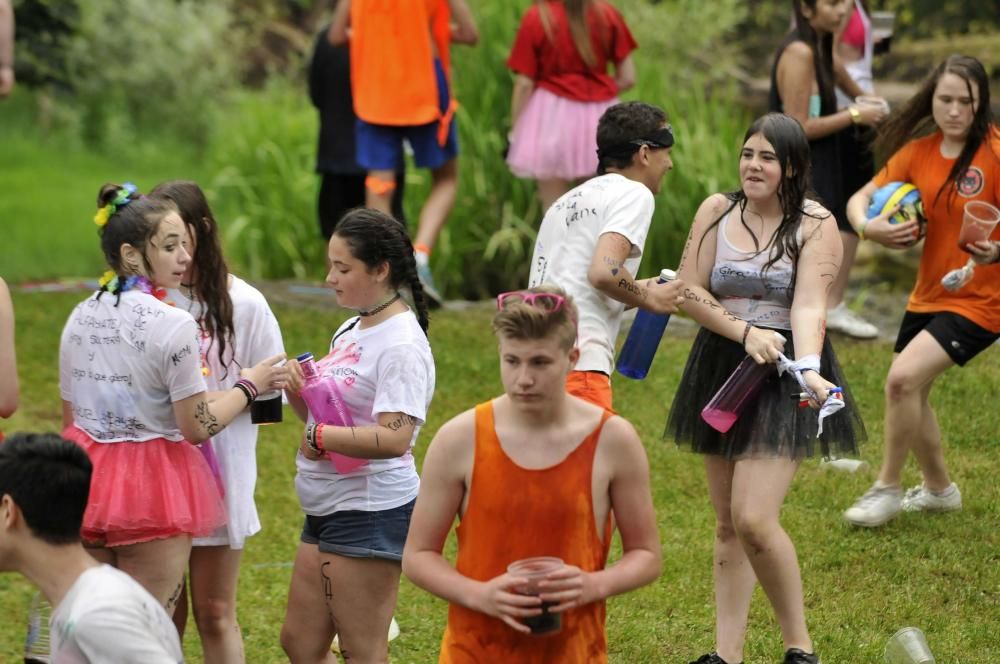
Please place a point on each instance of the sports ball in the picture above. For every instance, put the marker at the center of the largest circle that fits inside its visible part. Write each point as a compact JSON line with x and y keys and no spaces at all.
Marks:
{"x":905,"y":195}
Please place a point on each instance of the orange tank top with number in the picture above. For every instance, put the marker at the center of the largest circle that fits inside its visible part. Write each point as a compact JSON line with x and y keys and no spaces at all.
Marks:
{"x":515,"y":513}
{"x":393,"y":47}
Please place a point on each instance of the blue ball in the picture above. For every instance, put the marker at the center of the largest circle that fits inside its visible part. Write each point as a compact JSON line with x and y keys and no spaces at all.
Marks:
{"x":905,"y":195}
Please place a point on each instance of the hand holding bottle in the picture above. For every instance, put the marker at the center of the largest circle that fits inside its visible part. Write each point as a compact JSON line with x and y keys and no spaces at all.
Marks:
{"x":663,"y":297}
{"x":764,"y":346}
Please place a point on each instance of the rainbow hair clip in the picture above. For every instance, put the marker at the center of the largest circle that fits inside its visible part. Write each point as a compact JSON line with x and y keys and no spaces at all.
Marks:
{"x":123,"y":198}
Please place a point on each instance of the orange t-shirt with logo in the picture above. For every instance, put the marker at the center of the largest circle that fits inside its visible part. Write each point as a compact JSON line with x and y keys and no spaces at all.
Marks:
{"x":920,"y":163}
{"x":393,"y":48}
{"x":515,"y":513}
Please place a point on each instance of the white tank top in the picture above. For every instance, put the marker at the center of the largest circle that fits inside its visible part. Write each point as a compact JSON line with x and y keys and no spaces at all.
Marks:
{"x":742,"y":287}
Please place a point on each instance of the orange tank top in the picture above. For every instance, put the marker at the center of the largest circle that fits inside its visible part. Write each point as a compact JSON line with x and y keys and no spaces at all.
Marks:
{"x":393,"y":46}
{"x":516,"y":513}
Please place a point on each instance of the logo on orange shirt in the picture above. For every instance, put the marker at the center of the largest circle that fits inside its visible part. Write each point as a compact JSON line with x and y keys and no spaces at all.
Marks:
{"x":971,"y":183}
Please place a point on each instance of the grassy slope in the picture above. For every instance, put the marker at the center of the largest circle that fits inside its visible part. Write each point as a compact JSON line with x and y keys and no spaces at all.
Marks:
{"x":939,"y":573}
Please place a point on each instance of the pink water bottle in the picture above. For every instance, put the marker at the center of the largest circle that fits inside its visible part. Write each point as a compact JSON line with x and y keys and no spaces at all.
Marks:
{"x":327,"y":406}
{"x":738,"y":392}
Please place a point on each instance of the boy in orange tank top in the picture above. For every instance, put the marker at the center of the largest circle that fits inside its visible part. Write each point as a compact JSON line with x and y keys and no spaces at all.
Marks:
{"x":534,"y":472}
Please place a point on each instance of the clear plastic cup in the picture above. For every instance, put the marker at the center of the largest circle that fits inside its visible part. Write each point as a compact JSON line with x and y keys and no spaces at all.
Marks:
{"x":873,"y":102}
{"x":908,"y":646}
{"x":978,"y":222}
{"x":532,"y":571}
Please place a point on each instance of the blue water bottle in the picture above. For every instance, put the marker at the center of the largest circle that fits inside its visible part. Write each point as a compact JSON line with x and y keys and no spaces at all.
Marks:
{"x":643,"y":339}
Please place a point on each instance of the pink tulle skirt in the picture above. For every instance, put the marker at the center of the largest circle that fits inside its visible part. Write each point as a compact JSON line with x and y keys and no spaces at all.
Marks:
{"x":556,"y":137}
{"x":146,"y":491}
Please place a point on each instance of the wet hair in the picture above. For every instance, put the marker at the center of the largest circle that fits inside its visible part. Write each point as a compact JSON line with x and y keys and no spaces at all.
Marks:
{"x":915,"y":118}
{"x":577,"y":11}
{"x":520,"y":320}
{"x":621,"y":124}
{"x":134,"y":223}
{"x":822,"y":50}
{"x":48,"y":478}
{"x":791,"y":147}
{"x":210,"y":274}
{"x":375,"y":238}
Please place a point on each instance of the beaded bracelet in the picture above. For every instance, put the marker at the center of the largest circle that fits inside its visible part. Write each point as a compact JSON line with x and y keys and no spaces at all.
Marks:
{"x":746,"y":333}
{"x":311,"y":439}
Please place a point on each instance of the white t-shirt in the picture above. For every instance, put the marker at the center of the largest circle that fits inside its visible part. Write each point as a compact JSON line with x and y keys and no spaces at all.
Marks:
{"x":387,"y":368}
{"x":257,"y":337}
{"x":122,"y":367}
{"x":565,"y":247}
{"x":108,"y":618}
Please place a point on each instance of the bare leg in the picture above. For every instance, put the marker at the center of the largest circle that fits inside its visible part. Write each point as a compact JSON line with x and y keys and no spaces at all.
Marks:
{"x":440,"y":201}
{"x":378,"y":198}
{"x":734,"y":577}
{"x":909,"y":418}
{"x":362,"y":602}
{"x":550,"y":190}
{"x":158,"y":566}
{"x":839,"y":287}
{"x":308,"y":631}
{"x":215,"y":572}
{"x":759,"y":488}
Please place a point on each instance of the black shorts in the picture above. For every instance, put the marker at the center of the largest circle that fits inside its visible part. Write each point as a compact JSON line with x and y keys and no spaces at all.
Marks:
{"x":957,"y":335}
{"x":358,"y":534}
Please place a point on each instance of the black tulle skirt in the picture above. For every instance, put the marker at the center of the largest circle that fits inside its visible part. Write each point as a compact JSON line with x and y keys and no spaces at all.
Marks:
{"x":773,"y":425}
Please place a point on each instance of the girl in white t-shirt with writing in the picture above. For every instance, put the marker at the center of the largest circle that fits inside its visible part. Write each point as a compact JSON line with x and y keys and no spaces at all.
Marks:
{"x":135,"y":399}
{"x":236,"y":329}
{"x":346,"y":575}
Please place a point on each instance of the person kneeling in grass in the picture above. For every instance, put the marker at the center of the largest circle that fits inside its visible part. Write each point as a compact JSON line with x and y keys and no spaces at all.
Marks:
{"x":535,"y":472}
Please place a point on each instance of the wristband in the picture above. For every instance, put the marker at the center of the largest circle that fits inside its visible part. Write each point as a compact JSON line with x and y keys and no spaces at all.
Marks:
{"x":861,"y":230}
{"x":318,"y":437}
{"x":245,"y":390}
{"x":746,"y":333}
{"x":855,"y":114}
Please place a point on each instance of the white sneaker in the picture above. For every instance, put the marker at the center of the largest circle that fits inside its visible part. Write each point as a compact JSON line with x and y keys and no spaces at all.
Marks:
{"x":841,"y":319}
{"x":879,"y":505}
{"x":922,"y":499}
{"x":393,"y":633}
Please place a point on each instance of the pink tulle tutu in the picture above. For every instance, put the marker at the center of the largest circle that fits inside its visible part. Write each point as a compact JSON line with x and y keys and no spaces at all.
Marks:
{"x":146,"y":491}
{"x":556,"y":137}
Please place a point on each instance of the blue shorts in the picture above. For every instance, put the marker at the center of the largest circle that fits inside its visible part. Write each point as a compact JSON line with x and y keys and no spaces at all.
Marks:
{"x":357,"y":534}
{"x":380,"y":147}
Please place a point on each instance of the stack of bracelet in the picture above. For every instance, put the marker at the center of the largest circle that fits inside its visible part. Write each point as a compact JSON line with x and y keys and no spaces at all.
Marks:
{"x":248,"y":389}
{"x":314,"y":439}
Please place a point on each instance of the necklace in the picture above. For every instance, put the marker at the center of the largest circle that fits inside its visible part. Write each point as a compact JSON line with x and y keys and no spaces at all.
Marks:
{"x":379,"y":307}
{"x":112,"y":283}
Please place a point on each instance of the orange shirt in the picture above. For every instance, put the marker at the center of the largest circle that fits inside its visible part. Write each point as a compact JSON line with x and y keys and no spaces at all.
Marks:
{"x":920,"y":163}
{"x":393,"y":47}
{"x":515,"y":513}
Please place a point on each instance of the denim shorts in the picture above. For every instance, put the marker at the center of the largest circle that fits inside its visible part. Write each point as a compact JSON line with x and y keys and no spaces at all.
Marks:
{"x":357,"y":534}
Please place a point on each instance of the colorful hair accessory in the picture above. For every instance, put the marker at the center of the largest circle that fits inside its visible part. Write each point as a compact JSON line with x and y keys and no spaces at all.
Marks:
{"x":108,"y":281}
{"x":123,"y":198}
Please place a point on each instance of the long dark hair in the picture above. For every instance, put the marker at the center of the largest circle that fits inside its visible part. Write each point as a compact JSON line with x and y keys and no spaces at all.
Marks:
{"x":791,"y":146}
{"x":577,"y":12}
{"x":822,"y":50}
{"x":916,"y":117}
{"x":376,"y":238}
{"x":210,"y":274}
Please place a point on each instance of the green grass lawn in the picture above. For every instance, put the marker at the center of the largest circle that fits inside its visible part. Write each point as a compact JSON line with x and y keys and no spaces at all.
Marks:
{"x":936,"y":572}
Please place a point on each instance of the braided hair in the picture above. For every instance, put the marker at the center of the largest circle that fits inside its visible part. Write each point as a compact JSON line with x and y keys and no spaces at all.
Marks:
{"x":375,"y":238}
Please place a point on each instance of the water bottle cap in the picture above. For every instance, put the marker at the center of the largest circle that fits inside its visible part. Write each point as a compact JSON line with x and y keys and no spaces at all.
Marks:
{"x":304,"y":356}
{"x":667,"y":275}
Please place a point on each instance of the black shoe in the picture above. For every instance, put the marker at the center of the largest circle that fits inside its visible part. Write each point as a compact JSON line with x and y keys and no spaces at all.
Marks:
{"x":711,"y":658}
{"x":796,"y":656}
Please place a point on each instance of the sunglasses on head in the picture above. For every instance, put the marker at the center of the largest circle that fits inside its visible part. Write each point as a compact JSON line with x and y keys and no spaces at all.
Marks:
{"x":545,"y":301}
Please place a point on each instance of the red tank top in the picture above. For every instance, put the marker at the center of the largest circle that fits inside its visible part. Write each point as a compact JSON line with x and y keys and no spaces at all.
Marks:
{"x":516,"y":513}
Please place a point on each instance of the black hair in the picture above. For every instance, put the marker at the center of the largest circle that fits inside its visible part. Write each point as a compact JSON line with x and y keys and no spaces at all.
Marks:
{"x":621,"y":124}
{"x":791,"y":146}
{"x":134,"y":222}
{"x":210,"y":274}
{"x":375,"y":238}
{"x":821,"y":45}
{"x":916,"y":117}
{"x":48,"y":478}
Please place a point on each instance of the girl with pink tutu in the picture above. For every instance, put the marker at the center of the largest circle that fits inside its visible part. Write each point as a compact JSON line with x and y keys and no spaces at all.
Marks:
{"x":562,"y":86}
{"x":135,"y":399}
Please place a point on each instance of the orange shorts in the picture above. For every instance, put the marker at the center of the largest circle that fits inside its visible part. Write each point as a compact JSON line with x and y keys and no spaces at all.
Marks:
{"x":592,"y":386}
